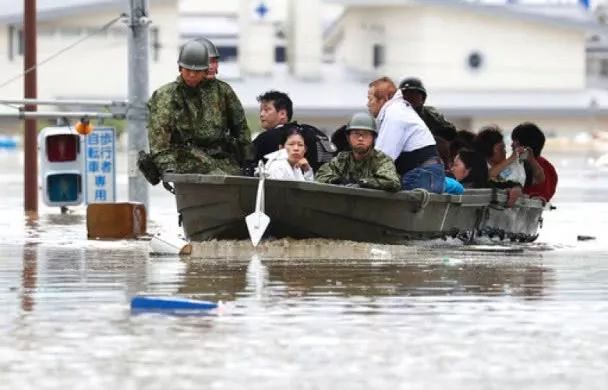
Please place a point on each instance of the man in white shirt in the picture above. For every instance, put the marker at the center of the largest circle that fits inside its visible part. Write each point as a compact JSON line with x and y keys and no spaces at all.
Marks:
{"x":405,"y":138}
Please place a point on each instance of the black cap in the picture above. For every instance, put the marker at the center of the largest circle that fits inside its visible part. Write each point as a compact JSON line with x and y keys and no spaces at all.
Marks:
{"x":412,"y":83}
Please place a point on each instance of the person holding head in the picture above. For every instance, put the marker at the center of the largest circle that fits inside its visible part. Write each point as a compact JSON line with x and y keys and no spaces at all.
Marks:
{"x":289,"y":163}
{"x":490,"y":142}
{"x":362,"y":166}
{"x":405,"y":138}
{"x":415,"y":93}
{"x":505,"y":172}
{"x":529,"y":135}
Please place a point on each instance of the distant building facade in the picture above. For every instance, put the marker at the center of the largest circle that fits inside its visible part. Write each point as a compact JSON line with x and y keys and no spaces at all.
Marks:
{"x":97,"y":67}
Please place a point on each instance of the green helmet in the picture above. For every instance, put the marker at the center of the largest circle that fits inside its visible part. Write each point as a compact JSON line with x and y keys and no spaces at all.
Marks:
{"x":362,"y":121}
{"x":413,"y":83}
{"x":213,"y":52}
{"x":194,"y":56}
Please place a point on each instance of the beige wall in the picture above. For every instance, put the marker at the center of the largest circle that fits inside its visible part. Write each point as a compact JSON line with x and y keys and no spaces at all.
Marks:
{"x":435,"y":42}
{"x":97,"y":67}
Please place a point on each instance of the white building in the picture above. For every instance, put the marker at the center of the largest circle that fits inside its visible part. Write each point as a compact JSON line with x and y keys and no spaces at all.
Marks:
{"x":95,"y":68}
{"x":482,"y":63}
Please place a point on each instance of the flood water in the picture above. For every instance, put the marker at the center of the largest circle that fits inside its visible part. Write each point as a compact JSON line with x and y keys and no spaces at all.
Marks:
{"x":306,"y":315}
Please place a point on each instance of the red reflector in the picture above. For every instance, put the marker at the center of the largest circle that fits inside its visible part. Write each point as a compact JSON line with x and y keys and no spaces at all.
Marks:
{"x":63,"y":147}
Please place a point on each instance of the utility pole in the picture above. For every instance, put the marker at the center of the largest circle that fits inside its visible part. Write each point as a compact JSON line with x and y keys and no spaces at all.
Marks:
{"x":138,"y":95}
{"x":30,"y":148}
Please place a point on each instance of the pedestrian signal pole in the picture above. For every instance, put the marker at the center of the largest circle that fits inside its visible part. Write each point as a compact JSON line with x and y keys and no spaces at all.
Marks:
{"x":30,"y":149}
{"x":138,"y":95}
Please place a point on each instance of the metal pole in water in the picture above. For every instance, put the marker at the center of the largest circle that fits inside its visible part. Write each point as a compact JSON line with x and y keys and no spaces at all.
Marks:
{"x":30,"y":148}
{"x":138,"y":95}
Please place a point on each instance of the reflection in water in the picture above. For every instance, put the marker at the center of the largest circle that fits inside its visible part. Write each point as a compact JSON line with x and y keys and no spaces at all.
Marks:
{"x":228,"y":280}
{"x":28,"y":276}
{"x":324,"y":315}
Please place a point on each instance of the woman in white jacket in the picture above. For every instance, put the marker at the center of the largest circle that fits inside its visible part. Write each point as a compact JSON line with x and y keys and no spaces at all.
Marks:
{"x":289,"y":163}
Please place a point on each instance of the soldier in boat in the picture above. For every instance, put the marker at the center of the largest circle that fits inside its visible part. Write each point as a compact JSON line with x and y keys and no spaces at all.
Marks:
{"x":225,"y":105}
{"x":362,"y":166}
{"x":415,"y":93}
{"x":196,"y":123}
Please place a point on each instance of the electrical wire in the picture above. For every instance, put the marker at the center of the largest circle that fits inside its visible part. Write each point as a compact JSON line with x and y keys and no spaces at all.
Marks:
{"x":53,"y":56}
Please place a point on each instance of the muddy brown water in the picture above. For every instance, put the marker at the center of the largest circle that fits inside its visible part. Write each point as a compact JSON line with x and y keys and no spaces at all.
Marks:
{"x":310,"y":314}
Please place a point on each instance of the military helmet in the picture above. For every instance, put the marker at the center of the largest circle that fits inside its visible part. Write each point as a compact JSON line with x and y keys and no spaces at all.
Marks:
{"x":194,"y":56}
{"x":211,"y":48}
{"x":362,"y":121}
{"x":413,"y":83}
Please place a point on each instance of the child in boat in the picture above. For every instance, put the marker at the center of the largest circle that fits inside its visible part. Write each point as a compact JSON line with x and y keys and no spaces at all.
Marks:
{"x":289,"y":163}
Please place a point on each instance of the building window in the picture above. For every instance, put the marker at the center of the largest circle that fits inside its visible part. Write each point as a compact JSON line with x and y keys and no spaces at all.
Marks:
{"x":378,"y":56}
{"x":155,"y":43}
{"x":475,"y":60}
{"x":280,"y":54}
{"x":15,"y":42}
{"x":228,"y":53}
{"x":604,"y":67}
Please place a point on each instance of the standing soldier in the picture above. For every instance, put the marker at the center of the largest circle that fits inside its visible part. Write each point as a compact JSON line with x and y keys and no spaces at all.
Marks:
{"x":190,"y":130}
{"x":224,"y":104}
{"x":363,"y":166}
{"x":414,"y":92}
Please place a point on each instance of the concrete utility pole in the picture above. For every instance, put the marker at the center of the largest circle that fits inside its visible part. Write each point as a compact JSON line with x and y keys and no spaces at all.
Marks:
{"x":30,"y":148}
{"x":138,"y":95}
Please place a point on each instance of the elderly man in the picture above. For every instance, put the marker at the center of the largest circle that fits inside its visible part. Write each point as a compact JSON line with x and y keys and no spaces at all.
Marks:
{"x":405,"y":138}
{"x":362,"y":166}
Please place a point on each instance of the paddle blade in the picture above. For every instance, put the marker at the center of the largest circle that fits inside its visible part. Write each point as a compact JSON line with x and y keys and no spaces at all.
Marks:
{"x":257,"y":223}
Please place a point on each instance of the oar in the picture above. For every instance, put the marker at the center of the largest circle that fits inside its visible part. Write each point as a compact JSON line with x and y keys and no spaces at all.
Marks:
{"x":257,"y":222}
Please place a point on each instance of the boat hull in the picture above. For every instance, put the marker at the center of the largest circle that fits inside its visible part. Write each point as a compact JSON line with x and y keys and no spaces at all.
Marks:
{"x":215,"y":207}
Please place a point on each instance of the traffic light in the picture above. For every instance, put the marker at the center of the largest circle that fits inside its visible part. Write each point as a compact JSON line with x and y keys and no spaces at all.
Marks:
{"x":61,"y":166}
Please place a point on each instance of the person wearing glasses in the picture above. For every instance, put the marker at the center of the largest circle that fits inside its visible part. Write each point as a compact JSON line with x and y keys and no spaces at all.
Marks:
{"x":362,"y":166}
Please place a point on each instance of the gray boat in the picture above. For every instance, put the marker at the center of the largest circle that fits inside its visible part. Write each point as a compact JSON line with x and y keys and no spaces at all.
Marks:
{"x":215,"y":207}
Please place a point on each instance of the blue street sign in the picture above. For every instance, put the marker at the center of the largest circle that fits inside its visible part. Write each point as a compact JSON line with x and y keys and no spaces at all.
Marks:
{"x":100,"y":165}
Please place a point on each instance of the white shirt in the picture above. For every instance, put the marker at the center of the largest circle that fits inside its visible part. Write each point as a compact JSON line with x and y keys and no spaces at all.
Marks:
{"x":400,"y":129}
{"x":278,"y":168}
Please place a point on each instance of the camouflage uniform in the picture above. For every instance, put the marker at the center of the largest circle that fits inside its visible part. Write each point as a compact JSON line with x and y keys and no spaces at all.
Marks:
{"x":197,"y":130}
{"x":436,"y":122}
{"x":376,"y":171}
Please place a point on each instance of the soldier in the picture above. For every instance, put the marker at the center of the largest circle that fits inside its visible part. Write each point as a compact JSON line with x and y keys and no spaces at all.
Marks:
{"x":414,"y":92}
{"x":363,"y":166}
{"x":197,"y":125}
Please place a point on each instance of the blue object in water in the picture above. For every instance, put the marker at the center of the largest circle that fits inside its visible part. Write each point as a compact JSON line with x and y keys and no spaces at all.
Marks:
{"x":7,"y":143}
{"x":152,"y":303}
